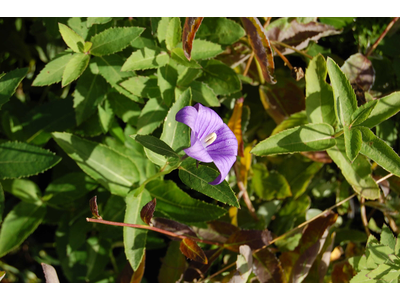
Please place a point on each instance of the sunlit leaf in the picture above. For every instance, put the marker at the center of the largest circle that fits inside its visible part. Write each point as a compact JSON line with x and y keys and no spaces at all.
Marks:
{"x":145,"y":58}
{"x":220,"y":30}
{"x":74,"y":68}
{"x":24,"y":189}
{"x":71,"y":38}
{"x":244,"y":265}
{"x":53,"y":71}
{"x":174,"y":33}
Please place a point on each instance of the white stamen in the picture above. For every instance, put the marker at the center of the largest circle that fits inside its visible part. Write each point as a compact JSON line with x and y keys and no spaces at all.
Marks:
{"x":210,"y":139}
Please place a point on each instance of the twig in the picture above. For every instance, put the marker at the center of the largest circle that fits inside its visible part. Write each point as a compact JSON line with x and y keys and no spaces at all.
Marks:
{"x":243,"y":189}
{"x":220,"y":271}
{"x":370,"y":50}
{"x":246,"y":70}
{"x":267,"y":21}
{"x":293,"y":48}
{"x":364,"y":216}
{"x":283,"y":57}
{"x":146,"y":227}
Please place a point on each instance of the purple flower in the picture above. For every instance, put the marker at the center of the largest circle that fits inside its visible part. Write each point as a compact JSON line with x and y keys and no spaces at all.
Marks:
{"x":211,"y":139}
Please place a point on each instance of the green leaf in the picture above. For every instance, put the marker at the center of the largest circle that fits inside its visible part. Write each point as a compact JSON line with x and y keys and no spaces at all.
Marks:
{"x":204,"y":94}
{"x":173,"y":265}
{"x":386,"y":107}
{"x":22,"y":160}
{"x":179,"y":206}
{"x":220,"y":78}
{"x":220,"y":30}
{"x":167,"y":77}
{"x":293,"y":120}
{"x":269,"y":185}
{"x":2,"y":200}
{"x":144,"y":59}
{"x":113,"y":40}
{"x":380,"y":152}
{"x":311,"y":137}
{"x":74,"y":68}
{"x":114,"y":171}
{"x":19,"y":223}
{"x":199,"y":178}
{"x":319,"y":95}
{"x":353,"y":142}
{"x":363,"y":112}
{"x":162,"y":29}
{"x":174,"y":33}
{"x":97,"y":20}
{"x":135,"y":239}
{"x":387,"y":237}
{"x":106,"y":117}
{"x":68,"y":188}
{"x":176,"y":134}
{"x":24,"y":189}
{"x":205,"y":50}
{"x":124,"y":108}
{"x":71,"y":38}
{"x":98,"y":251}
{"x":9,"y":83}
{"x":110,"y":68}
{"x":187,"y":75}
{"x":142,"y":86}
{"x":345,"y":99}
{"x":357,"y":174}
{"x":178,"y":56}
{"x":156,"y":145}
{"x":151,"y":116}
{"x":89,"y":93}
{"x":53,"y":71}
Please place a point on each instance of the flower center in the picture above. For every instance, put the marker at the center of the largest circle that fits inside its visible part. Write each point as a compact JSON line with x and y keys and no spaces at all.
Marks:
{"x":209,"y":139}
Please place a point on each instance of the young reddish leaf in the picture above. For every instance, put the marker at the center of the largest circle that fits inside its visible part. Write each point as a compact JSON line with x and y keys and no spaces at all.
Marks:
{"x":173,"y":226}
{"x":267,"y":267}
{"x":198,"y":270}
{"x":297,"y":263}
{"x":147,"y":211}
{"x":235,"y":124}
{"x":94,"y":208}
{"x":255,"y":239}
{"x":261,"y":47}
{"x":359,"y":70}
{"x":189,"y":31}
{"x":342,"y":272}
{"x":127,"y":274}
{"x":216,"y":231}
{"x":191,"y":250}
{"x":138,"y":274}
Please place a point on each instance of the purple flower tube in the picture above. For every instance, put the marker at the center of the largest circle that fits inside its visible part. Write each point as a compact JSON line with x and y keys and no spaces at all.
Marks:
{"x":211,"y":139}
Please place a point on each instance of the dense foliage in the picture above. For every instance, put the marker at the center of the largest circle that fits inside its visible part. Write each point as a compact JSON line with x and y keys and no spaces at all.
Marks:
{"x":95,"y":185}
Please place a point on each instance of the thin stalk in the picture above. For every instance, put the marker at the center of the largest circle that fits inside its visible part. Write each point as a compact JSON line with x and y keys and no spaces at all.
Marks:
{"x":370,"y":50}
{"x":220,"y":271}
{"x":267,"y":21}
{"x":283,"y":57}
{"x":364,"y":219}
{"x":147,"y":227}
{"x":246,"y":70}
{"x":293,"y":48}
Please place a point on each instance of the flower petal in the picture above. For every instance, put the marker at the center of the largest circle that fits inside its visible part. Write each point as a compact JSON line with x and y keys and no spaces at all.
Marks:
{"x":197,"y":150}
{"x":188,"y":116}
{"x":208,"y":121}
{"x":224,"y":164}
{"x":225,"y":144}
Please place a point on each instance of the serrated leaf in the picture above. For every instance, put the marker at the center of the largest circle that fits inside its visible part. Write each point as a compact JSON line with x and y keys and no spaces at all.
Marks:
{"x":97,"y":20}
{"x":191,"y":250}
{"x":319,"y":95}
{"x":19,"y":223}
{"x":174,"y":32}
{"x":71,"y":38}
{"x":204,"y":94}
{"x":173,"y":265}
{"x":362,"y":113}
{"x":142,"y":86}
{"x":358,"y":173}
{"x":22,"y":160}
{"x":124,"y":108}
{"x":386,"y":107}
{"x":53,"y":71}
{"x":89,"y":93}
{"x":167,"y":77}
{"x":9,"y":83}
{"x":205,"y":50}
{"x":199,"y":178}
{"x":135,"y":239}
{"x":147,"y":211}
{"x":151,"y":116}
{"x":114,"y":171}
{"x":187,"y":75}
{"x":176,"y":134}
{"x":74,"y":68}
{"x":345,"y":99}
{"x":110,"y":68}
{"x":113,"y":40}
{"x":311,"y":137}
{"x":387,"y":237}
{"x":179,"y":206}
{"x":220,"y":78}
{"x":162,"y":28}
{"x":261,"y":47}
{"x":178,"y":56}
{"x":24,"y":189}
{"x":380,"y":152}
{"x":190,"y":28}
{"x":353,"y":142}
{"x":220,"y":30}
{"x":144,"y":59}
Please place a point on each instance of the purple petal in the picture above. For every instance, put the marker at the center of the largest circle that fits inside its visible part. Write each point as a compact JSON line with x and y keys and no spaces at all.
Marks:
{"x":225,"y":144}
{"x":208,"y":121}
{"x":224,"y":164}
{"x":197,"y":150}
{"x":188,"y":116}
